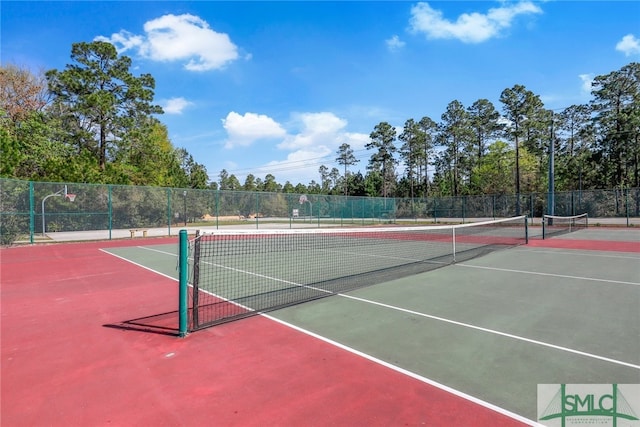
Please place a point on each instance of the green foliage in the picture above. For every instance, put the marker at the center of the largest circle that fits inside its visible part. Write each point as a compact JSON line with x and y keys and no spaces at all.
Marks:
{"x":94,"y":121}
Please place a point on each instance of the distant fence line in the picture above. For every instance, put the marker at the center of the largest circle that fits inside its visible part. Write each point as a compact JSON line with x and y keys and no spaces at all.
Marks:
{"x":29,"y":208}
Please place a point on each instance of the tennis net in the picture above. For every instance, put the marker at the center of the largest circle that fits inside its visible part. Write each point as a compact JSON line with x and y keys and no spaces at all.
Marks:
{"x":553,"y":225}
{"x":238,"y":273}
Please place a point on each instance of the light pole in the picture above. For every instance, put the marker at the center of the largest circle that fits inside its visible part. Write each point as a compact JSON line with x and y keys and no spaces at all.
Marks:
{"x":184,"y":196}
{"x":551,"y":203}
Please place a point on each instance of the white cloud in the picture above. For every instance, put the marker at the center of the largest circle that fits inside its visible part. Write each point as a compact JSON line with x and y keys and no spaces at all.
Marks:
{"x":312,"y":139}
{"x":629,"y":45}
{"x":175,"y":105}
{"x":586,"y":80}
{"x":186,"y":38}
{"x":469,"y":27}
{"x":123,"y":41}
{"x":315,"y":143}
{"x":317,"y":129}
{"x":244,"y":130}
{"x":394,"y":43}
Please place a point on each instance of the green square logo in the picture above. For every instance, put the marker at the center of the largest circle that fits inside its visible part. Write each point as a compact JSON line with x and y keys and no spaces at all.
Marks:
{"x":593,"y":405}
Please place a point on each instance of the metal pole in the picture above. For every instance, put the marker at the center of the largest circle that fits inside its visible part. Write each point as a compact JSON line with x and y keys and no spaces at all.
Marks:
{"x":184,"y":196}
{"x":32,"y":224}
{"x":110,"y":201}
{"x":551,"y":196}
{"x":169,"y":209}
{"x":453,"y":242}
{"x":217,"y":208}
{"x":183,"y":262}
{"x":43,"y":200}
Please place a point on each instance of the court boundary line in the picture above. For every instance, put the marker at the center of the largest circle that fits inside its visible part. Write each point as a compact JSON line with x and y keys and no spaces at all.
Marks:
{"x":408,"y":373}
{"x":140,"y":265}
{"x":495,"y":332}
{"x":450,"y":321}
{"x":538,"y":273}
{"x":580,"y":253}
{"x":359,"y":353}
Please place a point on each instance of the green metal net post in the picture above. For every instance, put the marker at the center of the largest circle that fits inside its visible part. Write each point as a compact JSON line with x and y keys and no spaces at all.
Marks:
{"x":110,"y":210}
{"x":32,"y":212}
{"x":183,"y":266}
{"x":169,"y":213}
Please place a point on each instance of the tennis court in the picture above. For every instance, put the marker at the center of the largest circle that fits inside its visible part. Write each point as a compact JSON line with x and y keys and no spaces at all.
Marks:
{"x":464,"y":344}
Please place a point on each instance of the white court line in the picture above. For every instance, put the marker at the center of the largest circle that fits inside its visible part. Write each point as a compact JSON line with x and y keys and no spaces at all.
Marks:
{"x":140,"y":265}
{"x":412,"y":374}
{"x":146,"y":248}
{"x":454,"y":322}
{"x":474,"y":327}
{"x":408,"y":373}
{"x":580,"y":254}
{"x":537,"y":273}
{"x":494,"y":332}
{"x":373,"y":359}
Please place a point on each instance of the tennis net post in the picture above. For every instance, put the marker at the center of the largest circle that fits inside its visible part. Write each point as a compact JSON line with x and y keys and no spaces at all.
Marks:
{"x":183,"y":268}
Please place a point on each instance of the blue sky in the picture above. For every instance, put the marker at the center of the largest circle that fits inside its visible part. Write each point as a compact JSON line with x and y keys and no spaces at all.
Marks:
{"x":276,"y":87}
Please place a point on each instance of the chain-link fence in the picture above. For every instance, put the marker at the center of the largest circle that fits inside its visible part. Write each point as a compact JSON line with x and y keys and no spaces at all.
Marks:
{"x":32,"y":210}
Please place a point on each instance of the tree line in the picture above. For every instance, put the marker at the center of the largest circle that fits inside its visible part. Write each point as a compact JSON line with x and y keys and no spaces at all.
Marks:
{"x":480,"y":149}
{"x":95,"y":122}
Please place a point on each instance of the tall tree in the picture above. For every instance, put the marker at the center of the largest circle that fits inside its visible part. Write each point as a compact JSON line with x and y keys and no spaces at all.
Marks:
{"x":249,"y":183}
{"x":100,"y":97}
{"x":411,"y":151}
{"x":617,"y":107}
{"x":288,"y":188}
{"x":270,"y":184}
{"x":334,"y":177}
{"x":484,"y":120}
{"x":514,"y":102}
{"x":382,"y":140}
{"x":429,"y":129}
{"x":346,"y":159}
{"x":223,"y":180}
{"x":576,"y":139}
{"x":324,"y":178}
{"x":455,"y":134}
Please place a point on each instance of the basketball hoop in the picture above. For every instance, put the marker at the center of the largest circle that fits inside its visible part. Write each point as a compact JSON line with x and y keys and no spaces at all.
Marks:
{"x":303,"y":199}
{"x":71,"y":197}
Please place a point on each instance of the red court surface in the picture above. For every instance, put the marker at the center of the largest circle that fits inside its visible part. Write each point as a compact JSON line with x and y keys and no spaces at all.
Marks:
{"x":61,"y":366}
{"x":588,"y":245}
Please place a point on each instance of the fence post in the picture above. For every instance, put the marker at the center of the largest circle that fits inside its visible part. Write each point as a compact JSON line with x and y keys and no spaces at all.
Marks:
{"x":464,"y":207}
{"x":110,"y":209}
{"x":169,"y":209}
{"x":183,"y":266}
{"x":32,"y":212}
{"x":493,"y":205}
{"x":217,"y":207}
{"x":626,"y":204}
{"x":257,"y":209}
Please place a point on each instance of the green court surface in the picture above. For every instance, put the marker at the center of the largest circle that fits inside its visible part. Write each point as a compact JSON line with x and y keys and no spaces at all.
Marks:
{"x":493,"y":327}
